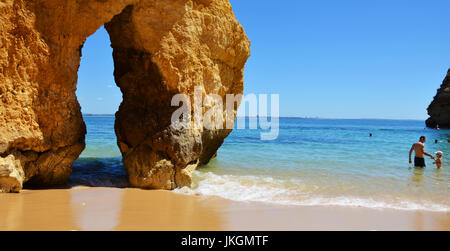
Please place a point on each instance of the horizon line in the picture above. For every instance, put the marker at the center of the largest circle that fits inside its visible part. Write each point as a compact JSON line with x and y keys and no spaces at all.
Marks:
{"x":281,"y":117}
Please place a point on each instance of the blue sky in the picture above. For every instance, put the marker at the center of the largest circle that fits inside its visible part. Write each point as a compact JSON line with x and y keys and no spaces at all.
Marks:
{"x":325,"y":58}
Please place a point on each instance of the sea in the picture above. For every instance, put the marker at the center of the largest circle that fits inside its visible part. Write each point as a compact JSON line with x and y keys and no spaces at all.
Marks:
{"x":313,"y":162}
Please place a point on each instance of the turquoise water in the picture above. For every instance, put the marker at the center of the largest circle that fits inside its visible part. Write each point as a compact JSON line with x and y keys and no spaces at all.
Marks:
{"x":313,"y":162}
{"x":100,"y":164}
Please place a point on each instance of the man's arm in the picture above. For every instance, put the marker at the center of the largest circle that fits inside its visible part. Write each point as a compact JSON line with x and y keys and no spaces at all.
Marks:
{"x":427,"y":154}
{"x":410,"y":152}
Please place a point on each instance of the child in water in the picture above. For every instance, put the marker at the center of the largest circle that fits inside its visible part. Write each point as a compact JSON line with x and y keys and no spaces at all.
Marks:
{"x":438,"y":162}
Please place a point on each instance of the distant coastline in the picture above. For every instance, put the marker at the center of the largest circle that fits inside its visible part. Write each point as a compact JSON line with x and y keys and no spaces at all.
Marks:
{"x":309,"y":118}
{"x":98,"y":115}
{"x":352,"y":119}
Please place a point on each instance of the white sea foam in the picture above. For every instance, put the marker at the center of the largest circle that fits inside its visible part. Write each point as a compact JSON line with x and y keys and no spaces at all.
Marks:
{"x":271,"y":190}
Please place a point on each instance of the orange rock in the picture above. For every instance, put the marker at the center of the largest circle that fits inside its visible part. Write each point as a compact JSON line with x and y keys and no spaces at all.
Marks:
{"x":161,"y":48}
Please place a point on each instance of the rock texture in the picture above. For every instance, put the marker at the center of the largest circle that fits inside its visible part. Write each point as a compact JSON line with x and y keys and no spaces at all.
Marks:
{"x":439,"y":109}
{"x":161,"y":48}
{"x":11,"y":174}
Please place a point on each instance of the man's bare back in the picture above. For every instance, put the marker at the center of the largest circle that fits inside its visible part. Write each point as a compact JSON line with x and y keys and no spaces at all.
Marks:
{"x":419,"y":149}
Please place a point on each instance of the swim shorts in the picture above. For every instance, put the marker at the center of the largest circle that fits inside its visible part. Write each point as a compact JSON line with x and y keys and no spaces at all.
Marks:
{"x":419,"y":162}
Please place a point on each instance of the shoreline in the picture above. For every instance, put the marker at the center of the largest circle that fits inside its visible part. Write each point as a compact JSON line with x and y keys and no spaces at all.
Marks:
{"x":86,"y":208}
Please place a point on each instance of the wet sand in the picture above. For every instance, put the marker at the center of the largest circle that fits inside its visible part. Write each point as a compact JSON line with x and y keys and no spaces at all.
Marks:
{"x":84,"y":208}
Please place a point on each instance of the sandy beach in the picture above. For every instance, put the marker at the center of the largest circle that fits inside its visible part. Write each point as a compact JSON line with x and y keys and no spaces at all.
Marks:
{"x":85,"y":208}
{"x":235,"y":115}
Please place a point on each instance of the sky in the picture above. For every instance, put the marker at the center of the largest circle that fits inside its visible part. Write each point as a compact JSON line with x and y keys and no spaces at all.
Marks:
{"x":325,"y":58}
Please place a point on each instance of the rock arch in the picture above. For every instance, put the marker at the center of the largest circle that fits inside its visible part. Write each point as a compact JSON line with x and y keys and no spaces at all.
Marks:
{"x":161,"y":47}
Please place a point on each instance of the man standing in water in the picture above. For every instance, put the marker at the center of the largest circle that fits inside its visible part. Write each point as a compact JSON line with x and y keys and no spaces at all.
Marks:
{"x":419,"y":149}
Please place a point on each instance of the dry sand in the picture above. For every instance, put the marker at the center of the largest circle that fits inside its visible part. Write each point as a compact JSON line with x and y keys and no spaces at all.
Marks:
{"x":132,"y":209}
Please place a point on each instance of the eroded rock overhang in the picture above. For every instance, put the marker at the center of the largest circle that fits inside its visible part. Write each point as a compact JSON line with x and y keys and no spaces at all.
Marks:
{"x":161,"y":48}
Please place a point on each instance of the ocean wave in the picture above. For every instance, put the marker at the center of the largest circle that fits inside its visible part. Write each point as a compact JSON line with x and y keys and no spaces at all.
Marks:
{"x":285,"y":192}
{"x":99,"y":182}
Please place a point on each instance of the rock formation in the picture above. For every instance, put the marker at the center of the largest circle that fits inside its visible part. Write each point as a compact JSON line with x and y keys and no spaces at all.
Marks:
{"x":161,"y":48}
{"x":439,"y":109}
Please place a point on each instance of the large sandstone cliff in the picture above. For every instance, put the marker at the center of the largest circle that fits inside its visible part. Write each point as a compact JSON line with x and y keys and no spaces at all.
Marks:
{"x":161,"y":48}
{"x":439,"y":109}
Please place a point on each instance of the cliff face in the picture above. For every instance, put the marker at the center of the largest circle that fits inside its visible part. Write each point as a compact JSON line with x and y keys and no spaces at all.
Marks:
{"x":439,"y":109}
{"x":161,"y":48}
